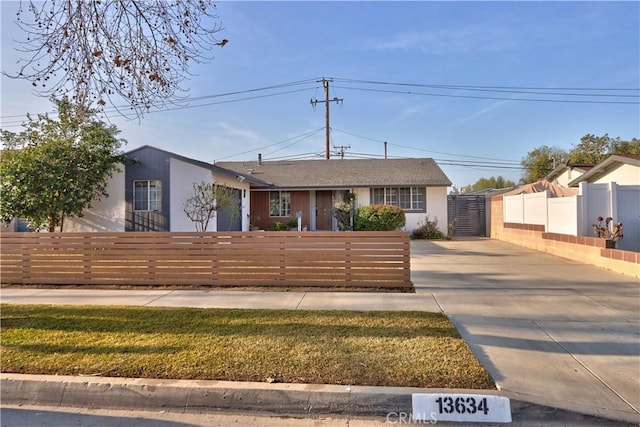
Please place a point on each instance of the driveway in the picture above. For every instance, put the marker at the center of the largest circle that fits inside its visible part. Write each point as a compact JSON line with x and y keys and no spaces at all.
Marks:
{"x":549,"y":330}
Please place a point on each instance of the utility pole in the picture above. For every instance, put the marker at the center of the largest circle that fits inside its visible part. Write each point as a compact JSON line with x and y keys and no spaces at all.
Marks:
{"x":340,"y":149}
{"x":314,"y":102}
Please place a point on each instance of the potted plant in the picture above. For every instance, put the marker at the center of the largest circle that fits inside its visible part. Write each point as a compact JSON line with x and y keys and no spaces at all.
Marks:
{"x":293,"y":224}
{"x":609,"y":231}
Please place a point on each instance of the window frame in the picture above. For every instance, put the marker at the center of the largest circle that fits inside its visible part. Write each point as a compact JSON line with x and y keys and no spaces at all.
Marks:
{"x":153,"y":196}
{"x":409,"y":199}
{"x":283,"y":204}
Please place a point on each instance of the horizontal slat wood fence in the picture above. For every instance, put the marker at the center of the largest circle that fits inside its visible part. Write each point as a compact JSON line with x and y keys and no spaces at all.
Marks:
{"x":279,"y":259}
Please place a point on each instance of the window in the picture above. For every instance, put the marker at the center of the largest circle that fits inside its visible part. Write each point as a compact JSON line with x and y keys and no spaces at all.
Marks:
{"x":279,"y":203}
{"x":408,"y":198}
{"x":377,"y":196}
{"x":147,"y":195}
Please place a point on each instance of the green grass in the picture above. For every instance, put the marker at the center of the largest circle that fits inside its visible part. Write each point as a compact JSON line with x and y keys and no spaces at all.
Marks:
{"x":329,"y":347}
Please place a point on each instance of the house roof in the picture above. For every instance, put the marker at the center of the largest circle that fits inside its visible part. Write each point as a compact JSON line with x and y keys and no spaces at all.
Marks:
{"x":487,"y":192}
{"x":540,"y":186}
{"x":583,"y":167}
{"x":340,"y":173}
{"x":205,"y":165}
{"x":610,"y":163}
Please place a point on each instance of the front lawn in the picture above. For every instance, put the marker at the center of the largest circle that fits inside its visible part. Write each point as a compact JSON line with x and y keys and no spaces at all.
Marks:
{"x":413,"y":349}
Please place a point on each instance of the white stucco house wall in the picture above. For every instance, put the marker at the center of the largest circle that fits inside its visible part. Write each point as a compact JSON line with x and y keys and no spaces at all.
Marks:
{"x":621,"y":169}
{"x":106,"y":214}
{"x":567,"y":172}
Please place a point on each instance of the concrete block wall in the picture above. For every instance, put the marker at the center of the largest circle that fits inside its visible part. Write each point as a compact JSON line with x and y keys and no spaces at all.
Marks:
{"x":589,"y":250}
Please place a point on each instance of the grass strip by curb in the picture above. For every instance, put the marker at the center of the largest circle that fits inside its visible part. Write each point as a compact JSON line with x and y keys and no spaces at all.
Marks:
{"x":413,"y":349}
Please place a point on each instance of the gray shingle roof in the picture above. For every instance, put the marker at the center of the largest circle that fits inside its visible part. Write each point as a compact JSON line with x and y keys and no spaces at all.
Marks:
{"x":340,"y":173}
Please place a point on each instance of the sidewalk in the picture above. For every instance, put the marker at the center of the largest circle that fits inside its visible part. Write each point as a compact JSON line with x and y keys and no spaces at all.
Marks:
{"x":551,"y":332}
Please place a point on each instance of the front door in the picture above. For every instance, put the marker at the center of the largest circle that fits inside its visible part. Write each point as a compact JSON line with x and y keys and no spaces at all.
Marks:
{"x":324,"y":203}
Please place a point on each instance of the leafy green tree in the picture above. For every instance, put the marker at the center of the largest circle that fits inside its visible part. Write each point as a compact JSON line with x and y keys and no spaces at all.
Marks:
{"x":539,"y":162}
{"x":594,"y":149}
{"x":492,"y":182}
{"x":56,"y":168}
{"x":591,"y":149}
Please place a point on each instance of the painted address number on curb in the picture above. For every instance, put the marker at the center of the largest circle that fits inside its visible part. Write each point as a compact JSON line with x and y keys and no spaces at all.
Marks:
{"x":461,"y":407}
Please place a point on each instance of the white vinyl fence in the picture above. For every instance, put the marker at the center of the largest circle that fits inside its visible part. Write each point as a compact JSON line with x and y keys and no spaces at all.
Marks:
{"x":575,"y":215}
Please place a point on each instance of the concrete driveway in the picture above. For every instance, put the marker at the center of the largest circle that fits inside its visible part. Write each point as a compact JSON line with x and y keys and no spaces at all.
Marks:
{"x":549,"y":330}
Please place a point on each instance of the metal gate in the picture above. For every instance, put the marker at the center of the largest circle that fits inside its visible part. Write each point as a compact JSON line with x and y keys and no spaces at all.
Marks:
{"x":467,"y":213}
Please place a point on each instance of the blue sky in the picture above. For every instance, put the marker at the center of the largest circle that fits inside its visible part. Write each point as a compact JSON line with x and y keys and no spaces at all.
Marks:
{"x":524,"y":48}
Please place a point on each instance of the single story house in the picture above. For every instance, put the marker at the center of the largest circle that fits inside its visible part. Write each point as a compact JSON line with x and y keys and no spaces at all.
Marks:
{"x":623,"y":169}
{"x":567,"y":172}
{"x":150,"y":193}
{"x":280,"y":190}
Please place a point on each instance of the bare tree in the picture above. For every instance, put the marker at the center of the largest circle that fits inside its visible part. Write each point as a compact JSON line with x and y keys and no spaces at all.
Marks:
{"x":206,"y":199}
{"x":99,"y":51}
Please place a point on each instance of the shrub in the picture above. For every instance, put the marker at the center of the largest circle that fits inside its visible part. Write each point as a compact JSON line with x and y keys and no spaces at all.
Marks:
{"x":379,"y":218}
{"x":342,"y":212}
{"x":428,"y":230}
{"x":280,"y":226}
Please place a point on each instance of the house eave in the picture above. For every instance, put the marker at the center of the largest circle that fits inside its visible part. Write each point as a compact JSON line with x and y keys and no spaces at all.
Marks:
{"x":604,"y":167}
{"x":343,"y":186}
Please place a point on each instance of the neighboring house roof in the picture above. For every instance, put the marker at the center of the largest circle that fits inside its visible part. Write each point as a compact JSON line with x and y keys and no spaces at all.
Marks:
{"x":610,"y":163}
{"x":540,"y":186}
{"x":487,"y":192}
{"x":581,"y":167}
{"x":340,"y":173}
{"x":205,"y":165}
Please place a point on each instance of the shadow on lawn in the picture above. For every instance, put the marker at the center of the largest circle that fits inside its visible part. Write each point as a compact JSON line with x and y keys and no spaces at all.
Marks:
{"x":228,"y":322}
{"x":93,"y":349}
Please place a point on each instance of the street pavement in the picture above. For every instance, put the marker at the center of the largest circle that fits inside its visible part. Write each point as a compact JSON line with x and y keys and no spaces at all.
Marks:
{"x":552,"y":332}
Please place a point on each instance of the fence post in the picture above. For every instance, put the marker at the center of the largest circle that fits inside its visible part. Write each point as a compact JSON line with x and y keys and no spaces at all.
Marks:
{"x":214,"y":245}
{"x":282,"y":258}
{"x":546,"y":211}
{"x":347,"y":260}
{"x":26,"y":262}
{"x":613,"y":200}
{"x":406,"y":253}
{"x":86,"y":258}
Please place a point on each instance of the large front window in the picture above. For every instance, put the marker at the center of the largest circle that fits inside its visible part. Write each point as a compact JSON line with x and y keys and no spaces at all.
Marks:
{"x":147,"y":195}
{"x":408,"y":198}
{"x":279,"y":203}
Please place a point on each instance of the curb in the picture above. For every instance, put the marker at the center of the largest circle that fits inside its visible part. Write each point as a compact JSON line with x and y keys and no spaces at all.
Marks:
{"x":197,"y":396}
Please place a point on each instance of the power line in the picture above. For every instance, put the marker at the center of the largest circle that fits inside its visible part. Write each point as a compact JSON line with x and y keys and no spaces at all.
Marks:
{"x":497,"y":98}
{"x":16,"y":123}
{"x":425,"y":150}
{"x":469,"y":87}
{"x":531,"y":90}
{"x":306,"y":134}
{"x":301,"y":156}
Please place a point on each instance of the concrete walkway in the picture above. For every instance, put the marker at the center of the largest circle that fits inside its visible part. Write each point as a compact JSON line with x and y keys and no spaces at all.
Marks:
{"x":550,"y":331}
